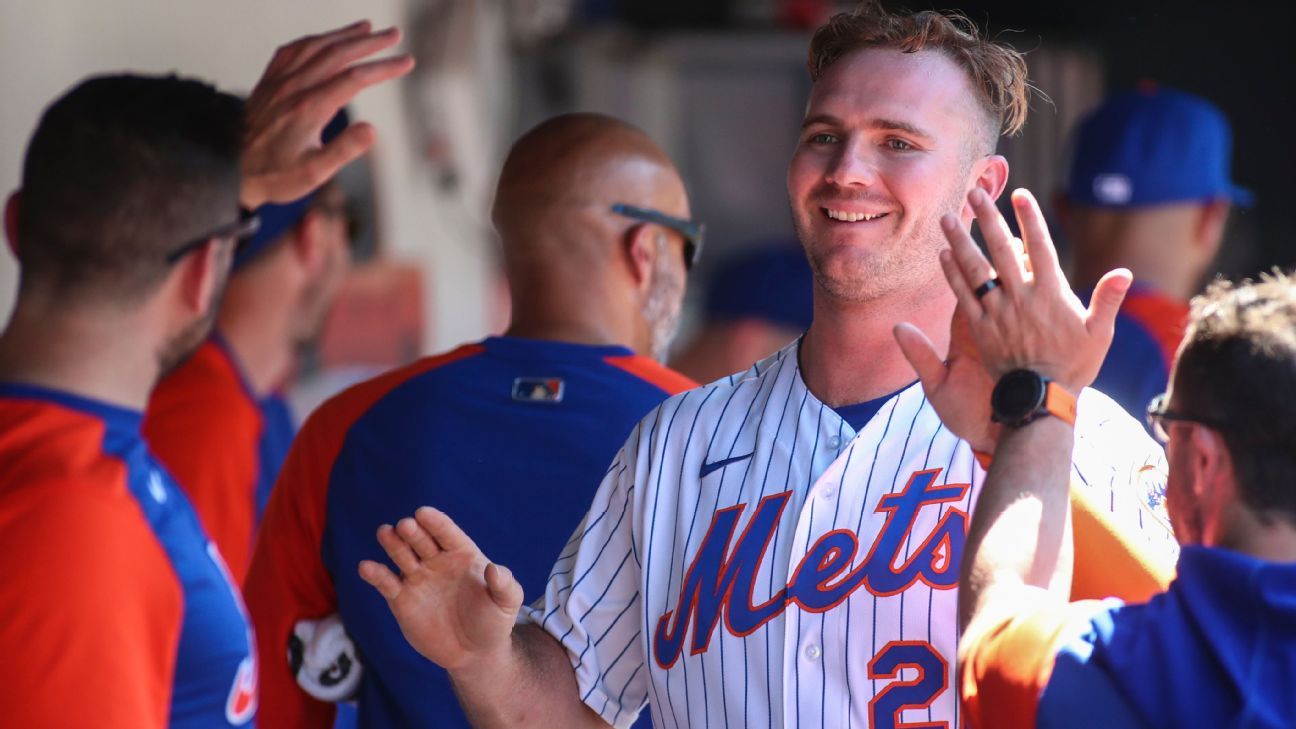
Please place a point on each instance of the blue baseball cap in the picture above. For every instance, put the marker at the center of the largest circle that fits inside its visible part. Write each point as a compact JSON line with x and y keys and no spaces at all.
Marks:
{"x":277,"y":218}
{"x":772,"y":283}
{"x":1153,"y":146}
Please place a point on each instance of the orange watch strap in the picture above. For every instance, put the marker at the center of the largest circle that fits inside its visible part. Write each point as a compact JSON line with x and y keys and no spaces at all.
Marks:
{"x":1060,"y":403}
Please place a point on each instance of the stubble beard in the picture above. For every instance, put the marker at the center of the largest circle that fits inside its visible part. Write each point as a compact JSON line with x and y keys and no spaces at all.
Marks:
{"x":661,"y":309}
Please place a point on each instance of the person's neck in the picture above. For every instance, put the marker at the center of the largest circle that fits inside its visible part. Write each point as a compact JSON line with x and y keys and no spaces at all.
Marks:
{"x":850,"y":355}
{"x":1272,"y":539}
{"x":98,"y":353}
{"x":570,"y":313}
{"x":261,"y":342}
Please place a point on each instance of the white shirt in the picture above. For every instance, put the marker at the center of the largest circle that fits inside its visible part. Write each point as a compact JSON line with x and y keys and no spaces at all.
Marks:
{"x":811,"y":583}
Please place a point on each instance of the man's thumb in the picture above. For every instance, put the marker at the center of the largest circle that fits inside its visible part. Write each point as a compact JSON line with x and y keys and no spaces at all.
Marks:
{"x":920,"y":353}
{"x":504,"y":589}
{"x":1107,"y":298}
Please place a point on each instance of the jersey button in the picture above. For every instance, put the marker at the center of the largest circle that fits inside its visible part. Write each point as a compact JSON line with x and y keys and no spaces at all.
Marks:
{"x":812,"y":652}
{"x":834,"y":442}
{"x":828,"y":492}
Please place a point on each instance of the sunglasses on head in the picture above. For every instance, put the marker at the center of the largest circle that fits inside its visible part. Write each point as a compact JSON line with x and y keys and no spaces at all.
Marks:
{"x":1159,"y":413}
{"x":692,"y":231}
{"x":241,"y":229}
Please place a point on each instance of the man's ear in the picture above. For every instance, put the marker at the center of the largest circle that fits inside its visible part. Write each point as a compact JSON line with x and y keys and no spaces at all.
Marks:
{"x":308,"y":242}
{"x":202,"y":273}
{"x":1208,"y":230}
{"x":991,"y":176}
{"x":641,"y":254}
{"x":11,"y":220}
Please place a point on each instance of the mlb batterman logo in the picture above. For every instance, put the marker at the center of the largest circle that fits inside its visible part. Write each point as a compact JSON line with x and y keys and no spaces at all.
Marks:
{"x":538,"y":389}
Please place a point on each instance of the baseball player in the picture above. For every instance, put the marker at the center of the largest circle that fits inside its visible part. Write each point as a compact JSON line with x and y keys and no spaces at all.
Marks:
{"x":781,"y":547}
{"x":116,"y":610}
{"x":1148,"y":189}
{"x":218,"y":423}
{"x":1216,"y":648}
{"x":512,"y":433}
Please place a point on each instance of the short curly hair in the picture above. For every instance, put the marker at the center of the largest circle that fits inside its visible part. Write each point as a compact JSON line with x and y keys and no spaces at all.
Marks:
{"x":997,"y":72}
{"x":1237,"y":370}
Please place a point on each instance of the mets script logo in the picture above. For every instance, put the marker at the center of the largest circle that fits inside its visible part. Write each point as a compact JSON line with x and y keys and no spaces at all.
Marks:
{"x":720,"y":581}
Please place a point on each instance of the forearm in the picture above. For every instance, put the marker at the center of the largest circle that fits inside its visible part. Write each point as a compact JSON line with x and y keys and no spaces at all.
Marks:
{"x":1020,"y":531}
{"x":531,"y":684}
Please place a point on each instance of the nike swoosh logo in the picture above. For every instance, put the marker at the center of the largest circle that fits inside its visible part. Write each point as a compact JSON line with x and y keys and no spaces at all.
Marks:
{"x":708,"y":468}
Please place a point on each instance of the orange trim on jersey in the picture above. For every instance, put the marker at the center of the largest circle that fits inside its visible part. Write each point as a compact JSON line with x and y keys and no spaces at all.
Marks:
{"x":1006,"y":668}
{"x":287,"y":581}
{"x":1161,"y":316}
{"x":205,"y":429}
{"x":1112,"y":560}
{"x":652,"y":372}
{"x":90,"y":606}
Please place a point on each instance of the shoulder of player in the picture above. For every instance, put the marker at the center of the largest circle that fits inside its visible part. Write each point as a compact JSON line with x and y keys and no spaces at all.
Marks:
{"x":652,"y":372}
{"x":339,"y":412}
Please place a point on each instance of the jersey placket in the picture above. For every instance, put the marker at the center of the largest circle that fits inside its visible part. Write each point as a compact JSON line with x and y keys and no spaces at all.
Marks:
{"x":810,"y":647}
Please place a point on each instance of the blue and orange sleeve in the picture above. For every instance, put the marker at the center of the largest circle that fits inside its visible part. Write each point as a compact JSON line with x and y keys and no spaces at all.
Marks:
{"x":90,"y":611}
{"x":1005,"y":668}
{"x":288,"y":581}
{"x":205,"y":430}
{"x":652,"y":372}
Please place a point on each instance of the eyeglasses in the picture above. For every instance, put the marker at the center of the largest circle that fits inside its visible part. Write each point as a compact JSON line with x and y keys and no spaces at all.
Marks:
{"x":692,"y":231}
{"x":1159,"y":413}
{"x":241,"y":229}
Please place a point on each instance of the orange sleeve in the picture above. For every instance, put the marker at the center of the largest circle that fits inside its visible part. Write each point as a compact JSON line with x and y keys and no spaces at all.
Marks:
{"x":1005,"y":669}
{"x":653,"y":372}
{"x":1111,"y":560}
{"x":204,"y":429}
{"x":287,"y":581}
{"x":90,"y":612}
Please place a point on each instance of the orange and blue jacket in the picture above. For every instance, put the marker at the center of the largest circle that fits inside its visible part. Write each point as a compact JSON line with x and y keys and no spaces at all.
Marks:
{"x":116,"y":610}
{"x":509,"y":436}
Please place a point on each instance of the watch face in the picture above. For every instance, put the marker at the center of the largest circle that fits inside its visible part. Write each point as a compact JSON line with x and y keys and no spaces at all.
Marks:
{"x":1018,"y":395}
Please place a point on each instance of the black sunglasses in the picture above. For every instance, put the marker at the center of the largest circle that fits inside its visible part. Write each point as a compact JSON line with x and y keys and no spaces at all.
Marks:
{"x":1159,"y":413}
{"x":692,"y":231}
{"x":243,"y":228}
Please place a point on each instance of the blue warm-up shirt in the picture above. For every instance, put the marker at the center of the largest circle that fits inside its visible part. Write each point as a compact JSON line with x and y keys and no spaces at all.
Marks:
{"x":509,"y":436}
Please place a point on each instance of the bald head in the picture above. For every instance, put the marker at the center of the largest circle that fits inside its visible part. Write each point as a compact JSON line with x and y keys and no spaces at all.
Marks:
{"x":564,"y":175}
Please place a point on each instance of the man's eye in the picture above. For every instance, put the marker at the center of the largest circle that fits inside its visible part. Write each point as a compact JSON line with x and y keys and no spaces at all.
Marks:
{"x":823,"y":138}
{"x":899,"y":145}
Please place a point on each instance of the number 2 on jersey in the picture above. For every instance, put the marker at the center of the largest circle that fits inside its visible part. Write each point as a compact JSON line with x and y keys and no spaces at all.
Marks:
{"x":902,"y":695}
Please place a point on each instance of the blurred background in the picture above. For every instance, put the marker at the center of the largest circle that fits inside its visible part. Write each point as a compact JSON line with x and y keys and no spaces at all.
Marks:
{"x":721,"y":84}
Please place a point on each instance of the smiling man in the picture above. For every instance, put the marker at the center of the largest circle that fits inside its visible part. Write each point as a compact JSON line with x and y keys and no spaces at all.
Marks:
{"x":781,"y":547}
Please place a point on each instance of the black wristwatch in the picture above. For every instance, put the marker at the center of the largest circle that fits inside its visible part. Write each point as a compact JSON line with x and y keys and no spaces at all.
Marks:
{"x":1022,"y":396}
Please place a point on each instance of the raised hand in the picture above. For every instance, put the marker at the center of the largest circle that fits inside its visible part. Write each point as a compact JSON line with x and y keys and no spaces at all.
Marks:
{"x":452,"y":604}
{"x":958,"y":387}
{"x":1031,"y":319}
{"x":303,"y":87}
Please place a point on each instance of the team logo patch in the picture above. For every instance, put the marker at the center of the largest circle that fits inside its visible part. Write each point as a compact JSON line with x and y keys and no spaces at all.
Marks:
{"x":538,"y":389}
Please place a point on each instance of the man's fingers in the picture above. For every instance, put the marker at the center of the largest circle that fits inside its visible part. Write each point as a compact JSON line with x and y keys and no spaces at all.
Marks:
{"x":1039,"y":244}
{"x":333,"y":58}
{"x":922,"y":356}
{"x":418,"y":539}
{"x":382,"y":579}
{"x":974,"y":267}
{"x":301,"y":51}
{"x":442,"y":528}
{"x":504,"y":589}
{"x":999,"y":240}
{"x":325,"y":98}
{"x":1106,"y":302}
{"x":398,"y":549}
{"x":967,"y":300}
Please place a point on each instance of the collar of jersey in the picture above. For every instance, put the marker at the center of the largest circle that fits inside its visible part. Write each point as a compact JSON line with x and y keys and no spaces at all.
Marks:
{"x":115,"y":417}
{"x":548,"y":349}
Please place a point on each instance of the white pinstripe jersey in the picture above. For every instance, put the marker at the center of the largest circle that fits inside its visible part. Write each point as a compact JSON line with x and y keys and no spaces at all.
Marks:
{"x":751,"y":561}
